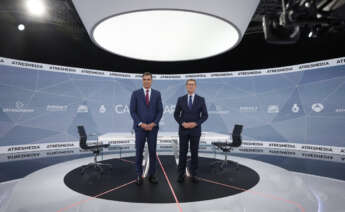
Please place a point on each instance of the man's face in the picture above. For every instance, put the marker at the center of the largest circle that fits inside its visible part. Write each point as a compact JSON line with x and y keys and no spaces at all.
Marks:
{"x":147,"y":81}
{"x":191,"y":86}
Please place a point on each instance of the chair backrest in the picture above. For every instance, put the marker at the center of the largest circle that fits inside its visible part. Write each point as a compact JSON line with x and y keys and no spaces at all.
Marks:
{"x":82,"y":137}
{"x":237,"y":131}
{"x":236,"y":135}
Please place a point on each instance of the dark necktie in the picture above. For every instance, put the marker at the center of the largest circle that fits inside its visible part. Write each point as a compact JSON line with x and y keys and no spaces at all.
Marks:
{"x":190,"y":103}
{"x":147,"y":97}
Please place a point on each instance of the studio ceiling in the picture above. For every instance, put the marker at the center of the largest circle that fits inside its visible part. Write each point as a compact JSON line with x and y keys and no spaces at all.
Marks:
{"x":59,"y":38}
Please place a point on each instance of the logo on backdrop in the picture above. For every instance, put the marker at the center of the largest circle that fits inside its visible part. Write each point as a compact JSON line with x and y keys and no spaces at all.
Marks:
{"x":317,"y":148}
{"x":249,"y":109}
{"x":218,"y":110}
{"x":19,"y":108}
{"x":82,"y":109}
{"x":295,"y":108}
{"x":273,"y":109}
{"x":57,"y":108}
{"x":23,"y":148}
{"x":340,"y":110}
{"x":102,"y":109}
{"x":317,"y":107}
{"x":169,"y":109}
{"x":19,"y":105}
{"x":121,"y":109}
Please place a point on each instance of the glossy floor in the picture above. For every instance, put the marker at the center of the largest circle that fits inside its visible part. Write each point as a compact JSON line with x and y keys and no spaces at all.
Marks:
{"x":282,"y":187}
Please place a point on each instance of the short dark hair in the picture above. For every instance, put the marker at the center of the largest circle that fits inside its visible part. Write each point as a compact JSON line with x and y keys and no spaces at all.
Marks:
{"x":191,"y":80}
{"x":147,"y":74}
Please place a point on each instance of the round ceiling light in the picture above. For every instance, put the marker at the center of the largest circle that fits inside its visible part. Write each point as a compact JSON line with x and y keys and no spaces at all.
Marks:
{"x":163,"y":30}
{"x":21,"y":27}
{"x":36,"y":7}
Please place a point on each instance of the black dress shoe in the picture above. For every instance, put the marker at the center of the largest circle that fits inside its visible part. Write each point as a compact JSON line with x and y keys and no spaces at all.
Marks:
{"x":195,"y":179}
{"x":180,"y":179}
{"x":139,"y":181}
{"x":153,"y":180}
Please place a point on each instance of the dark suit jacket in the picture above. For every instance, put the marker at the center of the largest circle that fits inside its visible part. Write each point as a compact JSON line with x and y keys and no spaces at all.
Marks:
{"x":140,"y":112}
{"x":197,"y":114}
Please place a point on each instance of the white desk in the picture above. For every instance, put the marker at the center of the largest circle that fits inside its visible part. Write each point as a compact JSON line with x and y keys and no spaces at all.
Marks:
{"x":163,"y":138}
{"x":166,"y":141}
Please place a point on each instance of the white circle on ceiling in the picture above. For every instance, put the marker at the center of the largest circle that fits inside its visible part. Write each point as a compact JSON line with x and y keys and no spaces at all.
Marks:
{"x":165,"y":35}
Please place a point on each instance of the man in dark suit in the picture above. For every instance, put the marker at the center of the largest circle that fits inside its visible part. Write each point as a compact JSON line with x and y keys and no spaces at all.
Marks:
{"x":146,"y":110}
{"x":190,"y":113}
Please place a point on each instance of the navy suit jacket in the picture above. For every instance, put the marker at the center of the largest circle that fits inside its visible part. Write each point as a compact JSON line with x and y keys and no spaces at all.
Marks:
{"x":140,"y":112}
{"x":197,"y":114}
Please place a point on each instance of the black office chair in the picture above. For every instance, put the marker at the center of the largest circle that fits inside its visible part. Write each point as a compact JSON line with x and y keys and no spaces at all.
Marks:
{"x":226,"y":147}
{"x":95,"y":149}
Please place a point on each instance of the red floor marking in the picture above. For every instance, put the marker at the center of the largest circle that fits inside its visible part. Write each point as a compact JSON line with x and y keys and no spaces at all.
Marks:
{"x":93,"y":197}
{"x":128,"y":161}
{"x":255,"y":192}
{"x":171,"y":188}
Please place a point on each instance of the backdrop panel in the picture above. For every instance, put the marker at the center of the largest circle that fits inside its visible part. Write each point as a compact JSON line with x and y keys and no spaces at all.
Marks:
{"x":42,"y":103}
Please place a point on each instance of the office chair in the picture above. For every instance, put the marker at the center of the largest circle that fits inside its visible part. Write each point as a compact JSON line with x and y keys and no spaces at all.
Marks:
{"x":227,"y":147}
{"x":95,"y":149}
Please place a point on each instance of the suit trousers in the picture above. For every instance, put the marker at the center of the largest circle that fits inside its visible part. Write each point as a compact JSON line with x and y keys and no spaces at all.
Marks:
{"x":194,"y":149}
{"x":141,"y":136}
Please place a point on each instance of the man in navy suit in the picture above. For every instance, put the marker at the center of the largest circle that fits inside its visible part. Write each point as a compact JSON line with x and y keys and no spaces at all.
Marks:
{"x":190,"y":113}
{"x":146,"y":110}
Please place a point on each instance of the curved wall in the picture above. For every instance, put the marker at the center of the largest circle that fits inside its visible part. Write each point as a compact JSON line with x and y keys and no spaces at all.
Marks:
{"x":41,"y":103}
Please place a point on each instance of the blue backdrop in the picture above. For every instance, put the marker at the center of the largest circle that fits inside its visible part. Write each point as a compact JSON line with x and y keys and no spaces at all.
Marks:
{"x":301,"y":107}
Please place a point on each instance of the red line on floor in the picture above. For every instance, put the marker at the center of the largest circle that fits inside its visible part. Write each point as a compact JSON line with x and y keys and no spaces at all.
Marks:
{"x":171,"y":188}
{"x":299,"y":206}
{"x":93,"y":197}
{"x":128,"y":161}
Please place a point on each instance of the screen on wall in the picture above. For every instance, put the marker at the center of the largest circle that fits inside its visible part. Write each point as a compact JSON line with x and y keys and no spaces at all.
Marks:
{"x":42,"y":103}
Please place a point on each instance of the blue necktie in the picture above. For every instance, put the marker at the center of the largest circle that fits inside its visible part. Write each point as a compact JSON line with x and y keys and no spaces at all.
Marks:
{"x":190,"y":103}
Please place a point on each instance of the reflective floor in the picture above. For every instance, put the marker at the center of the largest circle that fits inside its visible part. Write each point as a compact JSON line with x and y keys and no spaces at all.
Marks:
{"x":289,"y":181}
{"x":18,"y":165}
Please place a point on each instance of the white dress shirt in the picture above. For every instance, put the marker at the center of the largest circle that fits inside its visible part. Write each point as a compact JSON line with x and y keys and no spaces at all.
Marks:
{"x":149,"y":93}
{"x":193,"y":94}
{"x":145,"y":97}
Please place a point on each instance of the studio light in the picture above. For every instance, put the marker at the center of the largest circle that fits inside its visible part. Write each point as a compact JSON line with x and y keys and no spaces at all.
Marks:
{"x":165,"y":30}
{"x":36,"y":7}
{"x":21,"y":27}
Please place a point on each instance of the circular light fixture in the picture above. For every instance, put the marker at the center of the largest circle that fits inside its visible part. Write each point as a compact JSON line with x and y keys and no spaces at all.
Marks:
{"x":21,"y":27}
{"x":165,"y":30}
{"x":36,"y":7}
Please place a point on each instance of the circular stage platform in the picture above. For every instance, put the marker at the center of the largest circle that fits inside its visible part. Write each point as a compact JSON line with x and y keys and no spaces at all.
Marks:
{"x":92,"y":183}
{"x":256,"y":186}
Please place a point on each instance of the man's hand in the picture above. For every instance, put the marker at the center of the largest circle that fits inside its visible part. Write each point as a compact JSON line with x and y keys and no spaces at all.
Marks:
{"x":192,"y":124}
{"x":186,"y":124}
{"x":151,"y":126}
{"x":189,"y":125}
{"x":148,"y":127}
{"x":144,"y":126}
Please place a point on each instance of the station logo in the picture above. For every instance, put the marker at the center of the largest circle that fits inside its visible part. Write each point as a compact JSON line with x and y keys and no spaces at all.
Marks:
{"x":57,"y":108}
{"x":83,"y":109}
{"x":219,"y":110}
{"x":273,"y":109}
{"x":102,"y":109}
{"x":295,"y":108}
{"x":340,"y":110}
{"x":249,"y":109}
{"x":19,"y":108}
{"x":317,"y":107}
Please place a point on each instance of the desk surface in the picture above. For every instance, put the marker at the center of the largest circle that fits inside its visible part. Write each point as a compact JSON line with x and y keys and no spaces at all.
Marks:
{"x":161,"y":136}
